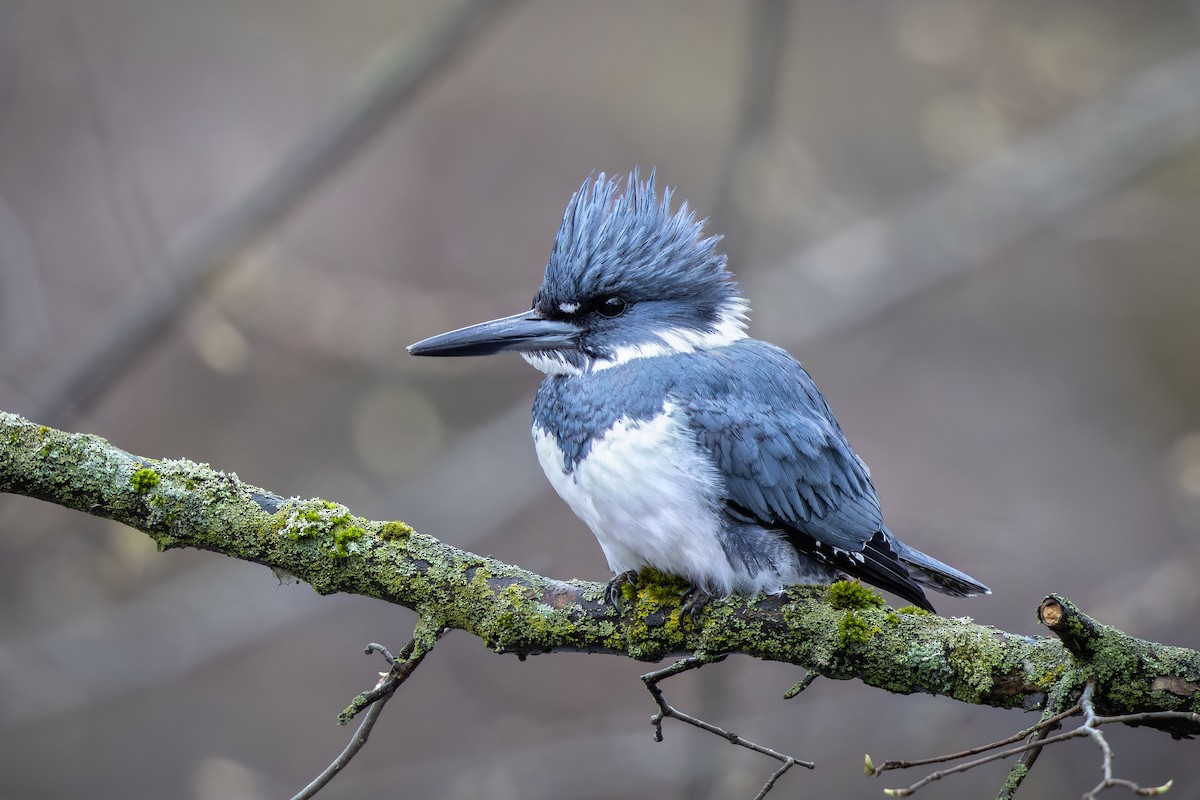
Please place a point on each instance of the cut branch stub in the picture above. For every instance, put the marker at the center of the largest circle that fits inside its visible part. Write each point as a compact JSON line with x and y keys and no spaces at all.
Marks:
{"x":1133,"y":676}
{"x":1078,"y":632}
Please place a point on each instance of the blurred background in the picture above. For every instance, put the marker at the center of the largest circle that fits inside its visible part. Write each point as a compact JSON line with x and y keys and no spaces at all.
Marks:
{"x":220,"y":223}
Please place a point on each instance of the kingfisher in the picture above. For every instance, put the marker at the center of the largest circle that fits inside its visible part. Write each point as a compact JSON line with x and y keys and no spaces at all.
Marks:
{"x":683,"y":443}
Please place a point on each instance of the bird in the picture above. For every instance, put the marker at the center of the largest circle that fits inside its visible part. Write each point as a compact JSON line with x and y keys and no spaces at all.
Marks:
{"x":684,"y":444}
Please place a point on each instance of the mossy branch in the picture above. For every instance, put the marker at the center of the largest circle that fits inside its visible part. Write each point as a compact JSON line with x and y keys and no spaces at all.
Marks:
{"x":842,"y":634}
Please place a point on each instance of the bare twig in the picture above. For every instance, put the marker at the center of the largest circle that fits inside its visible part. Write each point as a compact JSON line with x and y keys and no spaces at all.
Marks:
{"x":1046,"y":724}
{"x":1090,"y":728}
{"x":401,"y":667}
{"x":665,"y":710}
{"x":788,"y":763}
{"x":356,"y":743}
{"x":937,"y":776}
{"x":375,"y":647}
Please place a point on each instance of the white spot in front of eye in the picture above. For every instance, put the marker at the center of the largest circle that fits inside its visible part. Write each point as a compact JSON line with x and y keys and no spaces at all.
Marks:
{"x":568,"y":308}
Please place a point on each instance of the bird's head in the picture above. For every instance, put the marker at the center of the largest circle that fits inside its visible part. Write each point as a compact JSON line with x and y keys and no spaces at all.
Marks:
{"x":628,"y":278}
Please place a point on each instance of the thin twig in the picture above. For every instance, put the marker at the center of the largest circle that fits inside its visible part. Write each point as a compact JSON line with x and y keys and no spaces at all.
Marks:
{"x":665,"y":710}
{"x":1090,"y":728}
{"x":400,"y":669}
{"x":1044,"y":725}
{"x":356,"y":743}
{"x":937,"y":776}
{"x":788,"y":763}
{"x":375,"y":647}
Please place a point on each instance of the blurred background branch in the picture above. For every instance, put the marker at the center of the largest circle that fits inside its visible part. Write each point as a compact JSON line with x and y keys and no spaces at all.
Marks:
{"x":196,"y":258}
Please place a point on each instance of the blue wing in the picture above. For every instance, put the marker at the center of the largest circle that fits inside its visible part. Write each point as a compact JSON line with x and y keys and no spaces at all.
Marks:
{"x":786,"y":463}
{"x":782,"y":453}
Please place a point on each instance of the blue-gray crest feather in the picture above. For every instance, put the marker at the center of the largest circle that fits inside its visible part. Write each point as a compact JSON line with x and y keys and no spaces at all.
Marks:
{"x":627,"y":241}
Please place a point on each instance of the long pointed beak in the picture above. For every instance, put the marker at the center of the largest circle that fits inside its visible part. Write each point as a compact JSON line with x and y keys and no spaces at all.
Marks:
{"x":524,"y":332}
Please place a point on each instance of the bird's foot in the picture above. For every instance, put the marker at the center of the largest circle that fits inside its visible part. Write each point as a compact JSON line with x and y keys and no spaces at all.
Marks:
{"x":614,"y":590}
{"x":694,"y":601}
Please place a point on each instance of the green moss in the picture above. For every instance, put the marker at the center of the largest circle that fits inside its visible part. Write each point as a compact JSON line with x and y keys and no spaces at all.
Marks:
{"x":330,"y":523}
{"x":854,"y":630}
{"x":900,"y":614}
{"x":913,"y":610}
{"x":144,"y":480}
{"x":853,"y":595}
{"x":391,"y":531}
{"x":628,"y":590}
{"x":659,"y":587}
{"x":343,"y":537}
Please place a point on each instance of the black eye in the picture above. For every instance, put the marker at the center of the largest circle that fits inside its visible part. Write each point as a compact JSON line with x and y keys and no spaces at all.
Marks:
{"x":611,"y":306}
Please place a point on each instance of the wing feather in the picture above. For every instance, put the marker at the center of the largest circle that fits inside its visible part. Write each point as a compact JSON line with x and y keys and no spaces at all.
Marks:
{"x":784,"y":457}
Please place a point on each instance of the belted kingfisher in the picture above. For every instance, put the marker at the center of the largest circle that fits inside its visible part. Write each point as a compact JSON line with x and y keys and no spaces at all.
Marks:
{"x":684,"y":444}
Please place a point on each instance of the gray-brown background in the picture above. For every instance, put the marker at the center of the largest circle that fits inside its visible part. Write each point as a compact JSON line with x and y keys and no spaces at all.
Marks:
{"x":976,"y":222}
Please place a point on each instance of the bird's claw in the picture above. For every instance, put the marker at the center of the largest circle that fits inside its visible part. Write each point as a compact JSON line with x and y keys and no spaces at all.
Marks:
{"x":695,"y":600}
{"x":613,"y":590}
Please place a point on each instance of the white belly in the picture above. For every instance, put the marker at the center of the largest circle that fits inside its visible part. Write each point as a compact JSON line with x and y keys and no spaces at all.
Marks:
{"x":649,"y":496}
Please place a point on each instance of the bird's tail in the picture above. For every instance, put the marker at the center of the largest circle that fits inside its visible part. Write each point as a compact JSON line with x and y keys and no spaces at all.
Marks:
{"x":928,"y":571}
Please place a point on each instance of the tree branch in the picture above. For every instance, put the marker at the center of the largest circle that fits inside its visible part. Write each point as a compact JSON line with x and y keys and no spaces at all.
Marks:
{"x":179,"y":503}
